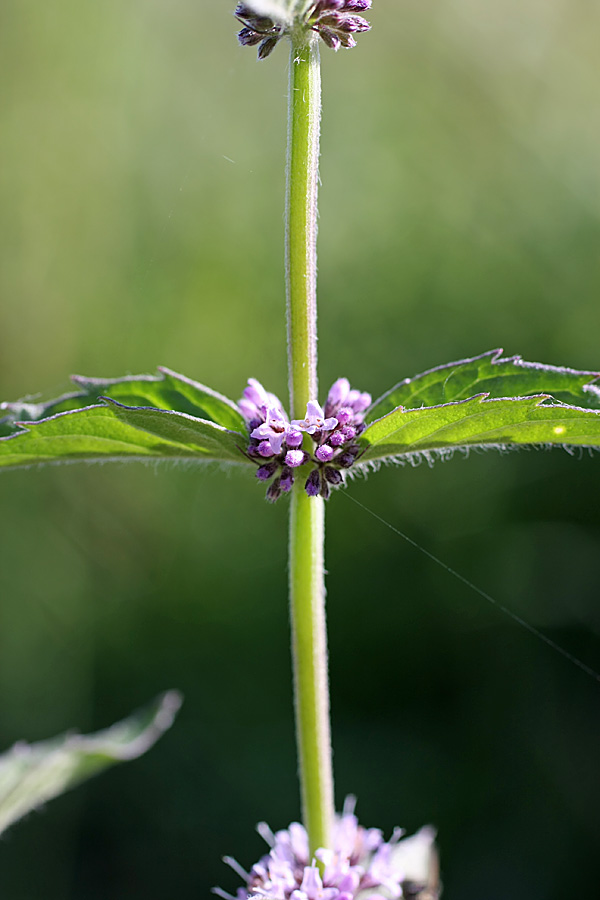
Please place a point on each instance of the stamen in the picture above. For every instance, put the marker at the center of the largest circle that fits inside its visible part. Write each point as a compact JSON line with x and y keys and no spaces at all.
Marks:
{"x":266,"y":833}
{"x":349,"y":805}
{"x":234,"y":864}
{"x":223,"y":894}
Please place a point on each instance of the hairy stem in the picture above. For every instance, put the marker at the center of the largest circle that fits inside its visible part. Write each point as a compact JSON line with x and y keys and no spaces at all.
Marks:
{"x":309,"y":649}
{"x":304,"y":119}
{"x":307,"y":514}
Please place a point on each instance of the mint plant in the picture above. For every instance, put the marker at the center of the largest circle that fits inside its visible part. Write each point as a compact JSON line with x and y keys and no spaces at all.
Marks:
{"x":309,"y":450}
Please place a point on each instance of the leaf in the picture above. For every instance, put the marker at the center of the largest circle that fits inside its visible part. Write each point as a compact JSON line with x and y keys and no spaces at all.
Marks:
{"x":116,"y":432}
{"x":491,"y":374}
{"x":480,"y":422}
{"x":167,"y":390}
{"x":32,"y":774}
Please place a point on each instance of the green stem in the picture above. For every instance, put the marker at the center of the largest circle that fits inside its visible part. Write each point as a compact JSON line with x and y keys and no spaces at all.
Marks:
{"x":309,"y":650}
{"x":304,"y":120}
{"x":307,"y":514}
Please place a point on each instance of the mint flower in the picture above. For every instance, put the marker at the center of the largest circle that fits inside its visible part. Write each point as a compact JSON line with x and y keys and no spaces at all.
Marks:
{"x":359,"y":862}
{"x":315,"y":420}
{"x":272,"y":431}
{"x":256,"y":402}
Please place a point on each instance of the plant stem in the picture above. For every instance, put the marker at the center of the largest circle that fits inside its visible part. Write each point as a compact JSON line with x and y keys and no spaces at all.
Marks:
{"x":304,"y":120}
{"x":307,"y":514}
{"x":309,"y":651}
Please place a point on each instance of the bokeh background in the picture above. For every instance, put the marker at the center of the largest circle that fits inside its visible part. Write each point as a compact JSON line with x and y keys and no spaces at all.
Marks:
{"x":141,"y":185}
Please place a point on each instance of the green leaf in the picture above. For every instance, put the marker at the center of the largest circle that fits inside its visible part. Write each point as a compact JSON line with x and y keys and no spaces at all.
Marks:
{"x":491,"y":374}
{"x":116,"y":432}
{"x":480,"y":422}
{"x":167,"y":390}
{"x":32,"y":774}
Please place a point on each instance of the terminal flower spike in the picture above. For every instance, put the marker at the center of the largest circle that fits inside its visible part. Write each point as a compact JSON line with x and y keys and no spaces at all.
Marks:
{"x":265,"y":22}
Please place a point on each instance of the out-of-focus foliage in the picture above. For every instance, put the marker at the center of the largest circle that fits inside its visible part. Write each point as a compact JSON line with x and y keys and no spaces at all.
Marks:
{"x":141,"y":172}
{"x":32,"y":774}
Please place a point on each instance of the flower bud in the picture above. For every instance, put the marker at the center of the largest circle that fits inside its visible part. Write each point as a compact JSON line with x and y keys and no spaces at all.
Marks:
{"x":313,"y":483}
{"x":274,"y":491}
{"x":265,"y":449}
{"x":337,"y":439}
{"x":293,"y":438}
{"x":344,"y":415}
{"x":324,"y":453}
{"x":333,"y":476}
{"x":287,"y":479}
{"x":249,"y":38}
{"x":295,"y":458}
{"x":263,"y":473}
{"x":267,"y":47}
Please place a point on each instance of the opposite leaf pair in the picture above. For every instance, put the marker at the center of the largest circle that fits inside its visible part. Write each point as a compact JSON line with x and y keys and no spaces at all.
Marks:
{"x":486,"y":401}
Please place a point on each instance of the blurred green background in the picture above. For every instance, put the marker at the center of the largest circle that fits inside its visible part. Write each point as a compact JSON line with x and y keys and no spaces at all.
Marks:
{"x":141,"y":184}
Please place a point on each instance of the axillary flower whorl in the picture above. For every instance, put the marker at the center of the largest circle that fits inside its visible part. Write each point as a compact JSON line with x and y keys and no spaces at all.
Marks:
{"x":265,"y":22}
{"x":276,"y":444}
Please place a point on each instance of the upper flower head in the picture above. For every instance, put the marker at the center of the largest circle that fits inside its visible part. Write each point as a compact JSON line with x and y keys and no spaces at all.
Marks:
{"x":265,"y":22}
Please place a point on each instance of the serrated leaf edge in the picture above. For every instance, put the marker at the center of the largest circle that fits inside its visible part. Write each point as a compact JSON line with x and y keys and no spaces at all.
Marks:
{"x":26,"y":428}
{"x":484,"y":398}
{"x":496,"y":359}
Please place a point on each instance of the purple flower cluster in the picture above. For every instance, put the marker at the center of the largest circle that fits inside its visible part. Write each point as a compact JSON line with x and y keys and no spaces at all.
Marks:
{"x":359,"y":861}
{"x":335,"y":21}
{"x":276,"y":443}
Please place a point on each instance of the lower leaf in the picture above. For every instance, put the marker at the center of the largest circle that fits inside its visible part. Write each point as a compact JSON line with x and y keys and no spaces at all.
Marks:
{"x":32,"y":774}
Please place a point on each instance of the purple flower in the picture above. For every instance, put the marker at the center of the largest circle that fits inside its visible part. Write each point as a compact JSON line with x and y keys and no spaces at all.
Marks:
{"x":273,"y":429}
{"x":350,"y":403}
{"x":256,"y":401}
{"x":315,"y":420}
{"x":358,"y":862}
